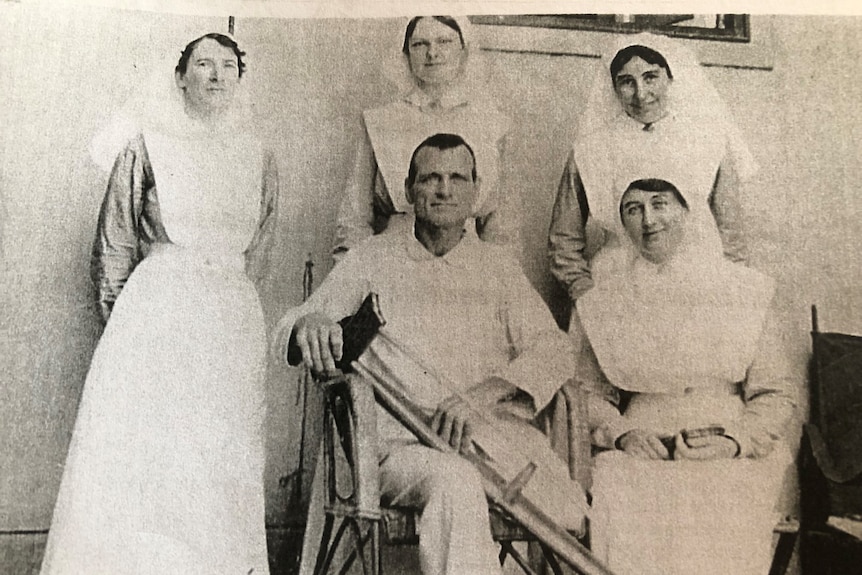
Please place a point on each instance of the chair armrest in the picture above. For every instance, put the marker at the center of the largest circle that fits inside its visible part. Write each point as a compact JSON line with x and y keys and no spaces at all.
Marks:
{"x":350,"y":404}
{"x":565,"y":422}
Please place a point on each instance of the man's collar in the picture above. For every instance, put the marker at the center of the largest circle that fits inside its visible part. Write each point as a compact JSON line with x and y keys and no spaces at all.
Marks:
{"x":460,"y":256}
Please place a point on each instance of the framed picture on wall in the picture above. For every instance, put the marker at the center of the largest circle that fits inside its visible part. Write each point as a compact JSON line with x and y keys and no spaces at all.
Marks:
{"x":718,"y":27}
{"x":724,"y":40}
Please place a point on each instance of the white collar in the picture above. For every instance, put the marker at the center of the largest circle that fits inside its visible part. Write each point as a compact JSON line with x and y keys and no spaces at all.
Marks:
{"x":455,"y":96}
{"x":459,"y":256}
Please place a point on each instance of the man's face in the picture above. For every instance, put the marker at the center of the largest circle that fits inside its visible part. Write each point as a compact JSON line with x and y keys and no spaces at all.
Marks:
{"x":654,"y":222}
{"x":444,"y":190}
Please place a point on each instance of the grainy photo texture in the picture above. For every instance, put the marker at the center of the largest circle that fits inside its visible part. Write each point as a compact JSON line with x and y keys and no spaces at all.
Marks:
{"x":497,"y":290}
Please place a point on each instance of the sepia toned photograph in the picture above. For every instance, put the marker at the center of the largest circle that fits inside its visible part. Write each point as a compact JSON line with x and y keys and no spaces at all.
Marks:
{"x":443,"y":288}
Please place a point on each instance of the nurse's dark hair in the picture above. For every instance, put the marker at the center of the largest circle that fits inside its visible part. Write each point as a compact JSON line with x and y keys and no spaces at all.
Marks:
{"x":655,"y":185}
{"x":226,"y":41}
{"x":439,"y":142}
{"x":648,"y":55}
{"x":411,"y":27}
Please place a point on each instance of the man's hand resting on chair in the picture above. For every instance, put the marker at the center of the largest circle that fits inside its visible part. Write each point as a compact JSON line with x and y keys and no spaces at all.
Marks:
{"x":320,"y":340}
{"x":452,"y":420}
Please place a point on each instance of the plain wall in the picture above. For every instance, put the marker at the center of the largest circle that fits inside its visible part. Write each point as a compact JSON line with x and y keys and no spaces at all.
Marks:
{"x":64,"y":74}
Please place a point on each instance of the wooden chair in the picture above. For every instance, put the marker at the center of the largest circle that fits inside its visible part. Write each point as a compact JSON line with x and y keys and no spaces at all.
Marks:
{"x":355,"y":526}
{"x":787,"y":530}
{"x":831,"y":456}
{"x":348,"y":469}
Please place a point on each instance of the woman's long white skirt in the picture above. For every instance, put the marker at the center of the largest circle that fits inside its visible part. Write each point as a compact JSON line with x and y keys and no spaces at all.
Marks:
{"x":165,"y":469}
{"x":685,"y":517}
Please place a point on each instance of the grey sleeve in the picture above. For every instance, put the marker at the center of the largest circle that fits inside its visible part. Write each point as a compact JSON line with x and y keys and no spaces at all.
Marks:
{"x":117,"y":250}
{"x":567,"y":234}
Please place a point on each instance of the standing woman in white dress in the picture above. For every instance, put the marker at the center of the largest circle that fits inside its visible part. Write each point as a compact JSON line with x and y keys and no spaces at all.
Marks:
{"x":164,"y":473}
{"x":443,"y":91}
{"x":651,"y":110}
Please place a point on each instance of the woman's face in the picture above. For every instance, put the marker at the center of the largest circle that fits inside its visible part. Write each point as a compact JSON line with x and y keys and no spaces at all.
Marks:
{"x":435,"y":53}
{"x":210,"y":80}
{"x":642,"y":89}
{"x":654,"y":221}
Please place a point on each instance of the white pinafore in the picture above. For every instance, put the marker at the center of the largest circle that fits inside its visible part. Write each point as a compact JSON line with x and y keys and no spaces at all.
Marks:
{"x":165,"y":469}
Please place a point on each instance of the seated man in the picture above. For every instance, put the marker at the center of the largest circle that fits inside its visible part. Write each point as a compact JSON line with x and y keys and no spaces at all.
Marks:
{"x":464,"y":310}
{"x":691,"y":389}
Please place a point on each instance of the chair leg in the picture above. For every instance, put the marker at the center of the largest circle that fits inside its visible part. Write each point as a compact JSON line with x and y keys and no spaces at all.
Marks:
{"x":504,"y":552}
{"x":356,"y":551}
{"x":376,"y":545}
{"x":329,"y":545}
{"x":783,"y":553}
{"x":508,"y":550}
{"x":362,"y":543}
{"x":360,"y":536}
{"x":552,"y":560}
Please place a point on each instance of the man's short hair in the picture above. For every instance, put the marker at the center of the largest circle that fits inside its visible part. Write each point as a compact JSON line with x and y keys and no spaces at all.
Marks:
{"x":440,"y":142}
{"x":655,"y":185}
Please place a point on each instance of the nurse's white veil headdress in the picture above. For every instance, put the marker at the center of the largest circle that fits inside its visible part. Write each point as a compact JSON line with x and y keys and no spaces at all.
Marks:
{"x":157,"y":104}
{"x":692,"y":97}
{"x":703,"y":310}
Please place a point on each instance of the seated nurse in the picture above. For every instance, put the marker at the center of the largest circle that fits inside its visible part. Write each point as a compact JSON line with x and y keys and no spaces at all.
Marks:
{"x":443,"y":91}
{"x":689,"y":392}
